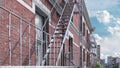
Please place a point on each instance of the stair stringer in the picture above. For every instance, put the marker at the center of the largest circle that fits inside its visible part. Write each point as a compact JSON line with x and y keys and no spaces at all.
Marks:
{"x":62,"y":44}
{"x":49,"y":46}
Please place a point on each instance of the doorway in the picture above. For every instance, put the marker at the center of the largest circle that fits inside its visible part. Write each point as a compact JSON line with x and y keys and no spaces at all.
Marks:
{"x":41,"y":37}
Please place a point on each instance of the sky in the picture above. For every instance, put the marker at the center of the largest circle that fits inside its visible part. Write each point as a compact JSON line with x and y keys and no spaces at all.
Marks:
{"x":105,"y":17}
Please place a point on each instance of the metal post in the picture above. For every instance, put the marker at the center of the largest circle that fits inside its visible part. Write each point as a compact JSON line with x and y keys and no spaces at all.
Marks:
{"x":41,"y":47}
{"x":20,"y":41}
{"x":53,"y":52}
{"x":36,"y":50}
{"x":9,"y":38}
{"x":29,"y":46}
{"x":46,"y":47}
{"x":50,"y":52}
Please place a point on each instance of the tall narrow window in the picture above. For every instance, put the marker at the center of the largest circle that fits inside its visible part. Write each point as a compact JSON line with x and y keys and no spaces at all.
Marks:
{"x":83,"y":54}
{"x":70,"y":50}
{"x":87,"y":35}
{"x":63,"y":57}
{"x":81,"y":23}
{"x":41,"y":38}
{"x":83,"y":29}
{"x":88,"y":59}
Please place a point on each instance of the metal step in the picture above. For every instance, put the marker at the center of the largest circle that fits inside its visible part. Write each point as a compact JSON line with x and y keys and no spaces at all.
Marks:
{"x":63,"y":22}
{"x":58,"y":37}
{"x":66,"y":16}
{"x":55,"y":42}
{"x":53,"y":53}
{"x":68,"y":8}
{"x":65,"y":19}
{"x":60,"y":33}
{"x":67,"y":11}
{"x":52,"y":58}
{"x":56,"y":47}
{"x":61,"y":29}
{"x":62,"y":25}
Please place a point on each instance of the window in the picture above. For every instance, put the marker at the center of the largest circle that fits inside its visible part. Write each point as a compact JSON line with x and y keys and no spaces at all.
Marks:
{"x":83,"y":54}
{"x":70,"y":50}
{"x":81,"y":23}
{"x":63,"y":57}
{"x":83,"y":29}
{"x":41,"y":38}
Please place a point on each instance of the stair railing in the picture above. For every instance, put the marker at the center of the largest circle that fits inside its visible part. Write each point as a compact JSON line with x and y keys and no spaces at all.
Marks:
{"x":49,"y":46}
{"x":62,"y":44}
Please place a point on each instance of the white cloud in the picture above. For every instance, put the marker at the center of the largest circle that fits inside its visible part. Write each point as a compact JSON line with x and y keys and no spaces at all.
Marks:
{"x":98,"y":38}
{"x":103,"y":16}
{"x":117,"y":54}
{"x":110,"y":45}
{"x":95,"y":5}
{"x":114,"y":30}
{"x":117,"y":20}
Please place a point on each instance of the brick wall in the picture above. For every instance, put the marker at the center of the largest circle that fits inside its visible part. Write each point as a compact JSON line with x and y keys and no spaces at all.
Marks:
{"x":20,"y":10}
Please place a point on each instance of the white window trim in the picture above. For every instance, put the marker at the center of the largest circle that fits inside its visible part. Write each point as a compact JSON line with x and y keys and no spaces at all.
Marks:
{"x":75,"y":44}
{"x":70,"y":34}
{"x":40,"y":5}
{"x":32,"y":9}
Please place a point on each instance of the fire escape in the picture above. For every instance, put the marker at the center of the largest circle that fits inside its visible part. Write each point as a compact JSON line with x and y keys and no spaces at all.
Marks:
{"x":55,"y":48}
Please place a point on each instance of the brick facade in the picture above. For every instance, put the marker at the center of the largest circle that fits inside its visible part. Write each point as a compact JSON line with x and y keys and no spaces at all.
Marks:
{"x":25,"y":16}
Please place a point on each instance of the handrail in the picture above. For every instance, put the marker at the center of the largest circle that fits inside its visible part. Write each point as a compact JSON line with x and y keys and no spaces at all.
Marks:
{"x":62,"y":44}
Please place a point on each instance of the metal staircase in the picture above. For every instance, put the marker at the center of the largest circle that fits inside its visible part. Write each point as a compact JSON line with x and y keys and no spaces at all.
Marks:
{"x":55,"y":48}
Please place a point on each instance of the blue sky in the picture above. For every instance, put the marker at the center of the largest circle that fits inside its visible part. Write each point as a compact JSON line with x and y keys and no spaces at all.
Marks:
{"x":105,"y":17}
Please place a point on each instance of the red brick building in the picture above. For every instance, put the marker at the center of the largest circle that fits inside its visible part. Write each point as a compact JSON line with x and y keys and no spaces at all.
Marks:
{"x":44,"y":32}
